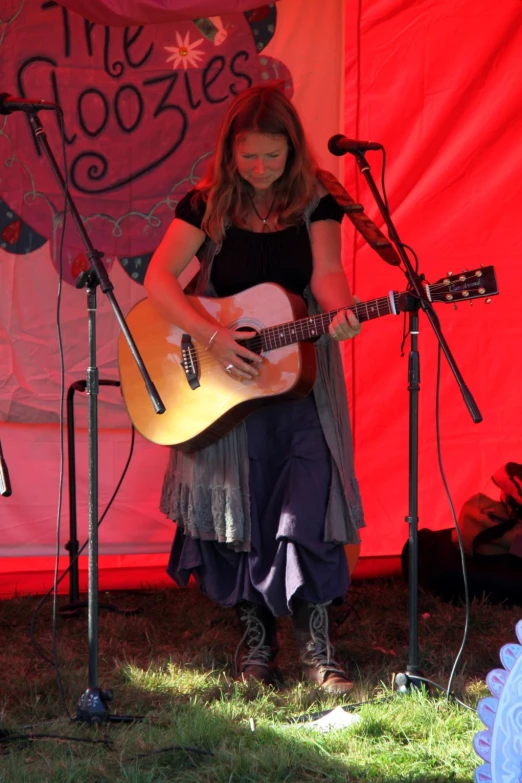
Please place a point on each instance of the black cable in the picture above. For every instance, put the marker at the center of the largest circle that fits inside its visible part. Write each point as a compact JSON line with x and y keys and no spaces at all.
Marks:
{"x":61,"y":418}
{"x":455,"y":521}
{"x":444,"y":689}
{"x":387,"y":206}
{"x":106,"y":742}
{"x":23,"y":737}
{"x":414,"y":254}
{"x":40,"y":651}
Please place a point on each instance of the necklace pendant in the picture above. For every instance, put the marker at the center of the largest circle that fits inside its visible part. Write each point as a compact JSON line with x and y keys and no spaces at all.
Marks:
{"x":261,"y":218}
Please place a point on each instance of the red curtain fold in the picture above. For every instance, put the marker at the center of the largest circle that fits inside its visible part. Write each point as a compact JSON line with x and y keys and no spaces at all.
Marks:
{"x":129,"y":12}
{"x":438,"y":83}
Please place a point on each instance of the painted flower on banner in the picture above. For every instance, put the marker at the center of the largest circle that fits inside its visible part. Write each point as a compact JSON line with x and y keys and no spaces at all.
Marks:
{"x":185,"y":53}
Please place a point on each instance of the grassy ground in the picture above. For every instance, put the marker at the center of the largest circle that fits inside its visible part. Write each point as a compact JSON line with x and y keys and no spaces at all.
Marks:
{"x":173,"y":663}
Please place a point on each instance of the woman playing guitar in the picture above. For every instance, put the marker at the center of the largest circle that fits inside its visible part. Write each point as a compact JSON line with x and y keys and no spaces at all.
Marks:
{"x":263,"y":514}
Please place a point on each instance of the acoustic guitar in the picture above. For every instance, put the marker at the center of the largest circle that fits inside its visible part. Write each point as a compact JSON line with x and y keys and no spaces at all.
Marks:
{"x":202,"y":402}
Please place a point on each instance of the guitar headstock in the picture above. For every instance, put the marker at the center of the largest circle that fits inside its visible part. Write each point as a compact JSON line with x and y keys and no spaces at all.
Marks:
{"x":468,"y":285}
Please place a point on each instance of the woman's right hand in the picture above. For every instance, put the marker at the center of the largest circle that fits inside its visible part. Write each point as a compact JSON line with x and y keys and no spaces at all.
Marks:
{"x":236,"y":360}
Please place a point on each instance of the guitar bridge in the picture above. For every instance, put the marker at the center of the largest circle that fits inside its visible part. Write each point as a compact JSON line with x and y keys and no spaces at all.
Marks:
{"x":189,"y":361}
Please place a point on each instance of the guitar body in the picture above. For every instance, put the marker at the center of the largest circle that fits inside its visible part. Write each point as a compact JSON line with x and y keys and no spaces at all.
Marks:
{"x":196,"y":417}
{"x":202,"y":402}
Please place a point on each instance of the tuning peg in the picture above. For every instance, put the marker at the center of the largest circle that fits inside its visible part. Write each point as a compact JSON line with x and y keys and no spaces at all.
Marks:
{"x":487,"y":301}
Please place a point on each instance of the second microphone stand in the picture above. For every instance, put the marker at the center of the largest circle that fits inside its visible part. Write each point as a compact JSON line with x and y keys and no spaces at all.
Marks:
{"x":93,"y":704}
{"x":413,"y":675}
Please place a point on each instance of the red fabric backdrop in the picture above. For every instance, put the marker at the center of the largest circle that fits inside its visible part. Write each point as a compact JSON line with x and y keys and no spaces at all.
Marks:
{"x":438,"y":83}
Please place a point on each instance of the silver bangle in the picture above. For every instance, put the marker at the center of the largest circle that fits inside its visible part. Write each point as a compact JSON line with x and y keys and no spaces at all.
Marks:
{"x":209,"y":344}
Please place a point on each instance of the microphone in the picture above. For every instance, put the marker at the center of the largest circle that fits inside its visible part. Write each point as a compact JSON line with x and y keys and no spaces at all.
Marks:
{"x":8,"y":104}
{"x":340,"y":145}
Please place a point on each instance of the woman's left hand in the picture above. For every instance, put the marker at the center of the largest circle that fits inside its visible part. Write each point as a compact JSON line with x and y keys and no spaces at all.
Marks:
{"x":345,"y":325}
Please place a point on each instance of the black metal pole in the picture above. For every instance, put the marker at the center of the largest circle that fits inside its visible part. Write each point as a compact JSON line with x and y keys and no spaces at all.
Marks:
{"x":92,"y":418}
{"x":72,"y":545}
{"x":413,"y":494}
{"x":93,"y":704}
{"x":404,"y":680}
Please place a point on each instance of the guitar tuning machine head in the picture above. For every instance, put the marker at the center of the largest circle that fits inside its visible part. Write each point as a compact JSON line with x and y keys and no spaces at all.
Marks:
{"x":487,"y":301}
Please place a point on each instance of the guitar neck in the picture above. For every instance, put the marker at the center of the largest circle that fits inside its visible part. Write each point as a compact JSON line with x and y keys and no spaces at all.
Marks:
{"x":314,"y":326}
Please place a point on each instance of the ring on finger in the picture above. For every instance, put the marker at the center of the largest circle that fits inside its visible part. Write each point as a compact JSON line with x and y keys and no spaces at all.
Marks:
{"x":229,"y":368}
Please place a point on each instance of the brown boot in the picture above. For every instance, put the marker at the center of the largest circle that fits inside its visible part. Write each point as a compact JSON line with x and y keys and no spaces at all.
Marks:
{"x":259,"y":644}
{"x":311,"y":626}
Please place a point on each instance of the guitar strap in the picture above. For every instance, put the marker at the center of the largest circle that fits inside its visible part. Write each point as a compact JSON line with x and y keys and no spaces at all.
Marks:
{"x":360,"y":220}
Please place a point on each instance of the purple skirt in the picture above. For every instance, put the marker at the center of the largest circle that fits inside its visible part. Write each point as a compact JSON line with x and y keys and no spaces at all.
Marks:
{"x":289,"y":481}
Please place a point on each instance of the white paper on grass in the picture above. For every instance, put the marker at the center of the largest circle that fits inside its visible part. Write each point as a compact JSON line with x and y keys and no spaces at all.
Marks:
{"x":338,"y":718}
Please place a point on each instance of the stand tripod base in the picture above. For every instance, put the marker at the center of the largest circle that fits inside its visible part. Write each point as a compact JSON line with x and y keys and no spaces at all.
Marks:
{"x":406,"y":681}
{"x":93,"y":708}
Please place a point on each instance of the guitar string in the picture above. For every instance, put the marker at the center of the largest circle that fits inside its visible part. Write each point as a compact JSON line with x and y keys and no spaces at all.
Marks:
{"x":286,"y":330}
{"x":279,"y":334}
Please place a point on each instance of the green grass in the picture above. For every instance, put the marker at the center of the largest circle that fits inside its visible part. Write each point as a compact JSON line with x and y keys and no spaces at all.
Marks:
{"x":173,"y":664}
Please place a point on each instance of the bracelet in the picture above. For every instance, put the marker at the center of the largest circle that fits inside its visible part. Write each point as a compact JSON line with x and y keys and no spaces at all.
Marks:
{"x":209,"y":344}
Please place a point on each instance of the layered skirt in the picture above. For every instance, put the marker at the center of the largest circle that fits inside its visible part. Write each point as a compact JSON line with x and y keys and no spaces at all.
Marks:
{"x":289,"y":480}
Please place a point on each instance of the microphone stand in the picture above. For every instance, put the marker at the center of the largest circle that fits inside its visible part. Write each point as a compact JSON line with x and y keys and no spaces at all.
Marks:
{"x":73,"y":545}
{"x":413,"y":675}
{"x":5,"y":481}
{"x":93,"y":704}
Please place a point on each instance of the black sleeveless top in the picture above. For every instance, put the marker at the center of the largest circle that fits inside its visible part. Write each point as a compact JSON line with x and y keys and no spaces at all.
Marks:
{"x":247,"y":258}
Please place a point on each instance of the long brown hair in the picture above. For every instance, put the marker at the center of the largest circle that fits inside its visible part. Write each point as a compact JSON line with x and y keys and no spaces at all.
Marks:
{"x":258,"y":109}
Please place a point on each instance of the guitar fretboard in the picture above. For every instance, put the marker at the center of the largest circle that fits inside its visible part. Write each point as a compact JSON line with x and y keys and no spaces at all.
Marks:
{"x":314,"y":326}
